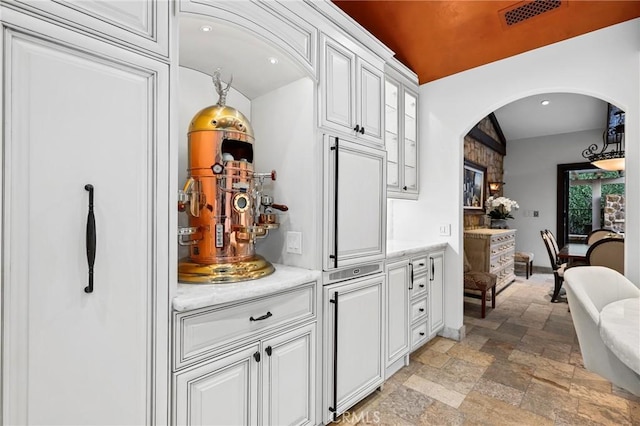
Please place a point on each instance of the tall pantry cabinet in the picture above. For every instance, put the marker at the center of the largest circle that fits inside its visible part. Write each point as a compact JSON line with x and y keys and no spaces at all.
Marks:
{"x":85,"y":177}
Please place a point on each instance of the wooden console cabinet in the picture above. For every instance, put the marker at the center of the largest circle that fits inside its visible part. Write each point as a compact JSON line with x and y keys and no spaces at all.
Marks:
{"x":492,"y":250}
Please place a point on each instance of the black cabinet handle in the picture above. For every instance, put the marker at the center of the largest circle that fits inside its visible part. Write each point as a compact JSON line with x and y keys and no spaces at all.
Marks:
{"x":256,"y":356}
{"x":269,"y":350}
{"x":411,"y":280}
{"x":357,"y":128}
{"x":336,"y":176}
{"x":421,"y":285}
{"x":91,"y":239}
{"x":422,"y":334}
{"x":421,"y":309}
{"x":264,"y":317}
{"x":404,"y":188}
{"x":433,"y":271}
{"x":362,"y":130}
{"x":334,"y":409}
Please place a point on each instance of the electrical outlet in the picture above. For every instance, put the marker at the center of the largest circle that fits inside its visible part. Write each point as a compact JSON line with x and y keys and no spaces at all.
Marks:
{"x":445,"y":230}
{"x":294,"y":242}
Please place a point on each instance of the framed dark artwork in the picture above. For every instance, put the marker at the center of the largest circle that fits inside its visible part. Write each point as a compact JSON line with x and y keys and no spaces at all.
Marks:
{"x":473,"y":187}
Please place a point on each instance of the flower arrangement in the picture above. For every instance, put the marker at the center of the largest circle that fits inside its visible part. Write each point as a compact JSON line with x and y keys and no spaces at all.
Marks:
{"x":501,"y":207}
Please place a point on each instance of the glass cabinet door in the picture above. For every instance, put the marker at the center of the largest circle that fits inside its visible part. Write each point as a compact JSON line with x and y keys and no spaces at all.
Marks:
{"x":410,"y":142}
{"x":391,"y":109}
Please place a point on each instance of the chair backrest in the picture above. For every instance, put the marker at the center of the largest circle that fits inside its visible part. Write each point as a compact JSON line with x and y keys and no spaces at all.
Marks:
{"x":553,"y":255}
{"x":598,"y":234}
{"x":607,"y":252}
{"x":554,"y":243}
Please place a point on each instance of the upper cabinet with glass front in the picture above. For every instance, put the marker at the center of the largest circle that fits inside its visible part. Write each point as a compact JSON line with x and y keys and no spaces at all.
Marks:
{"x":401,"y":131}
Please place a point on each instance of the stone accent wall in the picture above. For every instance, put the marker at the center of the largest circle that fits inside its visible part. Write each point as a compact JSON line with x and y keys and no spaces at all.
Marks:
{"x":614,"y":212}
{"x":493,"y":161}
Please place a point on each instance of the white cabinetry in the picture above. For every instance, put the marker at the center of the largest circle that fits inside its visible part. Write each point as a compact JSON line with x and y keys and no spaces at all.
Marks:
{"x":436,"y":292}
{"x":397,"y":315}
{"x":251,"y":362}
{"x":355,"y":203}
{"x":78,"y":111}
{"x":419,"y":300}
{"x":351,"y":91}
{"x":353,"y":333}
{"x":140,"y":25}
{"x":401,"y":134}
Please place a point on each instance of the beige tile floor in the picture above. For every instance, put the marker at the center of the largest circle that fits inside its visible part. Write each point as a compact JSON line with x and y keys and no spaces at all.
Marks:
{"x":521,"y":365}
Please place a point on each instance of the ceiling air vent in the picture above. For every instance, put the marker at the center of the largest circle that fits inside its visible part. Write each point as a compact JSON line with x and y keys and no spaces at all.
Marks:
{"x":522,"y":11}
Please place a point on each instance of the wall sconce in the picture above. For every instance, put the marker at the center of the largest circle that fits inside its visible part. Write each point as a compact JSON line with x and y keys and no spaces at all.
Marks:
{"x":494,"y":187}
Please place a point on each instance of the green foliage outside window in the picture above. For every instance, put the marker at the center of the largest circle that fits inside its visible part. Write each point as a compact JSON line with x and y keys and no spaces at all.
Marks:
{"x":580,"y":197}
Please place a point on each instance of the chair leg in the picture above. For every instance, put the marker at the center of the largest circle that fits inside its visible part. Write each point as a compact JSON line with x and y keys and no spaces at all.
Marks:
{"x":526,"y":269}
{"x":531,"y":268}
{"x":493,"y":297}
{"x":484,"y":302}
{"x":557,"y":283}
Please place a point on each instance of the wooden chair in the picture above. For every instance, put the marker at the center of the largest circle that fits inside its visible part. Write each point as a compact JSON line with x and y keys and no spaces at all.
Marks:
{"x":598,"y":234}
{"x":482,"y":282}
{"x":607,"y":252}
{"x":557,"y":267}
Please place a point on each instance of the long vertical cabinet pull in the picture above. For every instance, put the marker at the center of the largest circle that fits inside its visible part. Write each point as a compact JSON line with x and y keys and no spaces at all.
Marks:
{"x":334,"y":409}
{"x":334,"y":256}
{"x":411,"y":281}
{"x":433,"y":270}
{"x":91,"y":239}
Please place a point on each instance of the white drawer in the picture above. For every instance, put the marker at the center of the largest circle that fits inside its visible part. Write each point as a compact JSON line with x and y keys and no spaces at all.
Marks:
{"x":420,"y":264}
{"x":205,"y":332}
{"x":419,"y":334}
{"x":418,"y":309}
{"x":419,"y":287}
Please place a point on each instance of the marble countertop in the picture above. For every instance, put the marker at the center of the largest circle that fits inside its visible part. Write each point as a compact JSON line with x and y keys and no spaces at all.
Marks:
{"x":396,"y":248}
{"x":194,"y":296}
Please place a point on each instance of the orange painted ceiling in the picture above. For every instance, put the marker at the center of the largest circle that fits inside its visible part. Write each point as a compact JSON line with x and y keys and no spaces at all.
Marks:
{"x":439,"y":38}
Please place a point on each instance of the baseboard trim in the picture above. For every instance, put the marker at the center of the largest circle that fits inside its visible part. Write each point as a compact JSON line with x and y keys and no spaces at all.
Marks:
{"x":455,"y":333}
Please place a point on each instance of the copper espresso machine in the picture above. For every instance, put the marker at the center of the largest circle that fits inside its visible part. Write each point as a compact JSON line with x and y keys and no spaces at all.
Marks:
{"x":223,"y":199}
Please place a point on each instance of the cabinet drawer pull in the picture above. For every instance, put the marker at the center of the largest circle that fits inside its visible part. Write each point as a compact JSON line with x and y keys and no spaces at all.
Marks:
{"x":422,"y":334}
{"x":357,"y":128}
{"x":264,"y":317}
{"x":256,"y":356}
{"x":268,"y":350}
{"x":421,"y":285}
{"x":421,"y":309}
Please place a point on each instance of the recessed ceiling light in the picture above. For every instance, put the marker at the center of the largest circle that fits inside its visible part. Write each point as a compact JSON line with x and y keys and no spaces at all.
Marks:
{"x":272,"y":60}
{"x":545,"y":102}
{"x":206,"y":28}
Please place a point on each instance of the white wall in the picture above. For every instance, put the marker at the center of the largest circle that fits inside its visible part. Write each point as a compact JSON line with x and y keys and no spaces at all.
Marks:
{"x":604,"y":64}
{"x":284,"y":124}
{"x":530,"y":170}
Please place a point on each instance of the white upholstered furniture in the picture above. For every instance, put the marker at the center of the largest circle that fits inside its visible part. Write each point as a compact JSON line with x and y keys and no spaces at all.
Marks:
{"x":605,"y":307}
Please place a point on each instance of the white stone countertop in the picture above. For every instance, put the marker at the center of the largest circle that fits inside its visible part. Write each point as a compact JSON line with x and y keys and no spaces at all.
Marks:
{"x":396,"y":248}
{"x":194,"y":296}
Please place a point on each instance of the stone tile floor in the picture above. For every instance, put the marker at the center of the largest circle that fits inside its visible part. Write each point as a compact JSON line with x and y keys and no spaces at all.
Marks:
{"x":521,"y":365}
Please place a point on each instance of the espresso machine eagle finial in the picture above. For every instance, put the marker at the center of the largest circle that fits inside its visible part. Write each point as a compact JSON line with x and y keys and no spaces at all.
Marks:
{"x":223,"y":198}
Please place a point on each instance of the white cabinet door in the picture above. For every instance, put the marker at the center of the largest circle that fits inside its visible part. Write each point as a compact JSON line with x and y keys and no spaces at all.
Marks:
{"x":353,"y":330}
{"x":74,"y":117}
{"x":436,"y":293}
{"x":221,"y":392}
{"x":401,"y":137}
{"x":355,"y":203}
{"x":410,"y":139}
{"x":338,"y":74}
{"x":135,"y":23}
{"x":369,"y":101}
{"x":289,"y":378}
{"x":392,"y":135}
{"x":397,"y":309}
